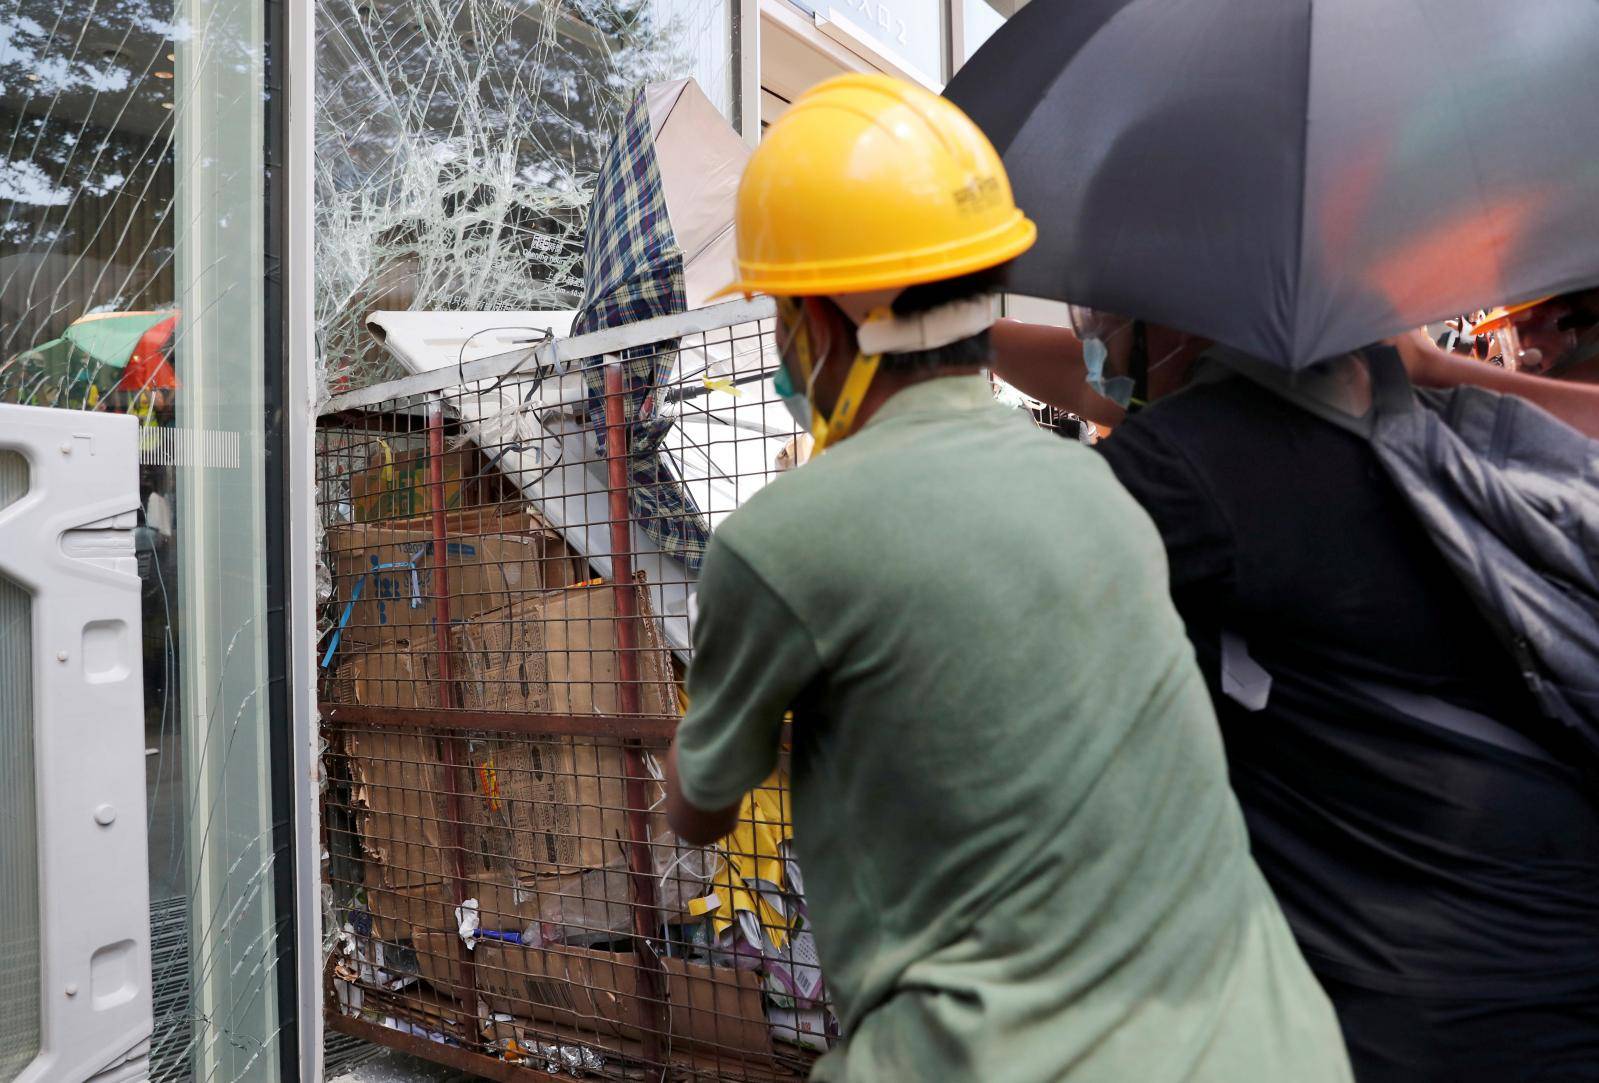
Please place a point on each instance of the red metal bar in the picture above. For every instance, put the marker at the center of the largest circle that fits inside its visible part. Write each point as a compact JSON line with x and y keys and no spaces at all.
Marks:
{"x":616,"y":445}
{"x":640,"y":727}
{"x":459,"y":779}
{"x":646,"y":917}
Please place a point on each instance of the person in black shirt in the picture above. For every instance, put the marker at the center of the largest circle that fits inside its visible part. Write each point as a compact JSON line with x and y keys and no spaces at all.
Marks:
{"x":1433,"y":839}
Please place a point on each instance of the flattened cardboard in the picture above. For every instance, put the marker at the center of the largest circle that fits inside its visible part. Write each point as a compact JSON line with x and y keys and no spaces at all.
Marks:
{"x":556,"y":653}
{"x":557,"y":806}
{"x":547,"y":808}
{"x":395,"y":572}
{"x":398,"y":790}
{"x":601,"y":993}
{"x":400,"y":486}
{"x":402,"y":913}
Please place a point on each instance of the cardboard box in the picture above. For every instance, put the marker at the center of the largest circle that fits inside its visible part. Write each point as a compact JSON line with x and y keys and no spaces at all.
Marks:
{"x":596,"y":902}
{"x":386,"y":575}
{"x":400,"y":914}
{"x":399,"y":792}
{"x":398,"y":486}
{"x":591,"y":903}
{"x":530,"y":808}
{"x":557,"y":806}
{"x":560,"y":565}
{"x":549,"y":807}
{"x":397,"y":674}
{"x":600,"y":995}
{"x":556,"y":654}
{"x":723,"y":1007}
{"x":504,"y":517}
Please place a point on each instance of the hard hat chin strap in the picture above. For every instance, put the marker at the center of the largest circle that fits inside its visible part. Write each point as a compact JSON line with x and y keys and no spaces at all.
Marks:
{"x":842,"y":420}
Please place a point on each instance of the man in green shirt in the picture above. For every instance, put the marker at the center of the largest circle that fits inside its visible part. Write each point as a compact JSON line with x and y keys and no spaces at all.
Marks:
{"x":1022,"y":857}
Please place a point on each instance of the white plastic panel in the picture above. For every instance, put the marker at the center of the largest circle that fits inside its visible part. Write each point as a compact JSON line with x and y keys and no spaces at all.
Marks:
{"x":13,"y":477}
{"x":75,"y":999}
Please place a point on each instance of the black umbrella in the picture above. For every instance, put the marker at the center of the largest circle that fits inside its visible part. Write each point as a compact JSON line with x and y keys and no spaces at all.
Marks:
{"x":1296,"y":178}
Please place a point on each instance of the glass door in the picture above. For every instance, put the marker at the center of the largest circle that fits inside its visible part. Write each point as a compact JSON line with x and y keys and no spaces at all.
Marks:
{"x":134,"y":268}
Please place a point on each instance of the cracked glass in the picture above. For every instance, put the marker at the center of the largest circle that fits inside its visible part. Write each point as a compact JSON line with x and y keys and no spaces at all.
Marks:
{"x":457,"y":144}
{"x":132,"y":271}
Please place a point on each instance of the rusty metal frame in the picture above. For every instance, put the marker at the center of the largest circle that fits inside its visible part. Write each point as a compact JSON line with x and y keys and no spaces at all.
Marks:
{"x":563,"y":352}
{"x":441,"y":602}
{"x":646,"y":916}
{"x":634,"y":727}
{"x":629,"y":725}
{"x":420,"y":410}
{"x":480,"y":1064}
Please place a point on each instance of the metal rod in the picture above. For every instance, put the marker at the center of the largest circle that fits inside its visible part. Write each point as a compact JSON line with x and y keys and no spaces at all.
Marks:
{"x":616,"y":456}
{"x":563,"y":354}
{"x":459,"y":779}
{"x":639,"y":728}
{"x":452,"y":1056}
{"x":646,"y":919}
{"x":395,"y":421}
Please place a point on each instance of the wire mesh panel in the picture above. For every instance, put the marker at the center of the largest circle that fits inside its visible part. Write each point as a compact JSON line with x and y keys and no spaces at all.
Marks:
{"x":511,"y":548}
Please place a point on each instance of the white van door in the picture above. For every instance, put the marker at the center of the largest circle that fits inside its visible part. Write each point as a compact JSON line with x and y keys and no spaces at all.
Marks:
{"x":75,"y":998}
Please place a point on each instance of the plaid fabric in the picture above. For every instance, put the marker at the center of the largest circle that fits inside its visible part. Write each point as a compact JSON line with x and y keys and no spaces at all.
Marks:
{"x":633,"y":270}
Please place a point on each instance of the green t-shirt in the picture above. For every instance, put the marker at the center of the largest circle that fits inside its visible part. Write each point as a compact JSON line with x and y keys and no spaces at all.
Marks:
{"x":1011,"y":806}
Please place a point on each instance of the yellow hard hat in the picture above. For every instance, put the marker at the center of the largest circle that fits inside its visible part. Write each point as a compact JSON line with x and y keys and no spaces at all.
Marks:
{"x":870,"y":183}
{"x":1496,"y":318}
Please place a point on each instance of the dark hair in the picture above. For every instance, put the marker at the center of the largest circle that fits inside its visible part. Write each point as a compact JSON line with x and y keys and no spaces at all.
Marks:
{"x":968,"y":352}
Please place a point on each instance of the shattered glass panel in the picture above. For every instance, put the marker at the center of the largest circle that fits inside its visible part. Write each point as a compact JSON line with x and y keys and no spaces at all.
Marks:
{"x":132,"y":272}
{"x":457,"y":142}
{"x":19,"y":830}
